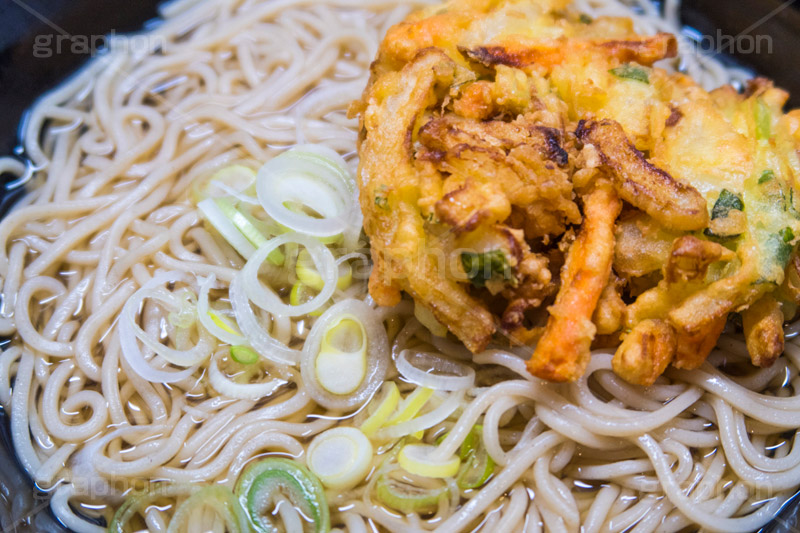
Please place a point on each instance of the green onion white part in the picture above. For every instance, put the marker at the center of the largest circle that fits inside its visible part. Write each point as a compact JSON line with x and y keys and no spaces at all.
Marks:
{"x":417,"y":459}
{"x":407,"y":498}
{"x":232,"y":180}
{"x":340,"y":457}
{"x":426,"y":318}
{"x":215,"y":216}
{"x":267,"y":299}
{"x":381,"y":408}
{"x":341,"y":363}
{"x":139,"y":500}
{"x":316,"y":177}
{"x":257,"y":336}
{"x":422,"y":422}
{"x":307,"y":272}
{"x":410,"y":406}
{"x":376,"y":354}
{"x":217,"y":497}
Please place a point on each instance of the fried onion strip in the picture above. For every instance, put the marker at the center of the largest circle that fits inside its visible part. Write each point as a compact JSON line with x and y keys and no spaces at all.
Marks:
{"x":674,"y":204}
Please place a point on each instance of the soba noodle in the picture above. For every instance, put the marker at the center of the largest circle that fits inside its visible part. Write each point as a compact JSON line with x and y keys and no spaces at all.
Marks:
{"x":113,"y":154}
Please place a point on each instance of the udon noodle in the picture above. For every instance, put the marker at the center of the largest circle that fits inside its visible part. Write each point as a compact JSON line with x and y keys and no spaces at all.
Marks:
{"x":112,"y":158}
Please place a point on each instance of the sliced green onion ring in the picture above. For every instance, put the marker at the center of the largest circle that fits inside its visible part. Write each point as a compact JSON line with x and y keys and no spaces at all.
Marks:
{"x":333,"y":239}
{"x":247,"y":228}
{"x":257,"y":336}
{"x":340,"y":457}
{"x":233,"y":193}
{"x":314,"y":176}
{"x":244,"y":355}
{"x":130,"y":331}
{"x":411,"y":405}
{"x":217,"y":497}
{"x":242,"y":391}
{"x":137,"y":502}
{"x":381,"y":408}
{"x":422,"y":422}
{"x":476,"y":470}
{"x":267,"y":299}
{"x":427,"y":319}
{"x":434,"y":371}
{"x":418,"y":459}
{"x":377,"y":354}
{"x":186,"y":313}
{"x":477,"y":466}
{"x":407,"y":498}
{"x":221,"y":322}
{"x":306,"y":273}
{"x":302,"y":293}
{"x":217,"y":218}
{"x":230,"y":180}
{"x":341,"y":363}
{"x":259,"y":483}
{"x":213,"y":322}
{"x":243,"y":224}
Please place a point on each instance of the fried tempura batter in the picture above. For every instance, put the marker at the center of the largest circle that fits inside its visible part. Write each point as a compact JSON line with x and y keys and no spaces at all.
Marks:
{"x":500,"y":141}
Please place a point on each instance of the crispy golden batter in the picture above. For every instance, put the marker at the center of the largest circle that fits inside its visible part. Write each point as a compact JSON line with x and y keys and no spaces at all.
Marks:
{"x":495,"y":131}
{"x":609,"y":315}
{"x":690,"y":258}
{"x":790,"y":289}
{"x":404,"y":257}
{"x":497,"y":166}
{"x":693,"y":347}
{"x":642,"y":245}
{"x":645,"y":352}
{"x":763,"y":330}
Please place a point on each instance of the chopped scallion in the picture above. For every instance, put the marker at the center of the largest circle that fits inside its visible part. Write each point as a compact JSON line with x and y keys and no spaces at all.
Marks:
{"x":248,"y":229}
{"x":483,"y":267}
{"x":417,"y":459}
{"x":307,"y":272}
{"x":272,"y":477}
{"x":763,"y":119}
{"x":407,"y":498}
{"x":631,"y":72}
{"x":244,"y":355}
{"x":726,"y":202}
{"x":222,"y":323}
{"x":766,"y":176}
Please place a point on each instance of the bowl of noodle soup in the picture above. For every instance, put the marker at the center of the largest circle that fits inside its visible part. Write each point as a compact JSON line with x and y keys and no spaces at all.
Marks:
{"x":155,"y":354}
